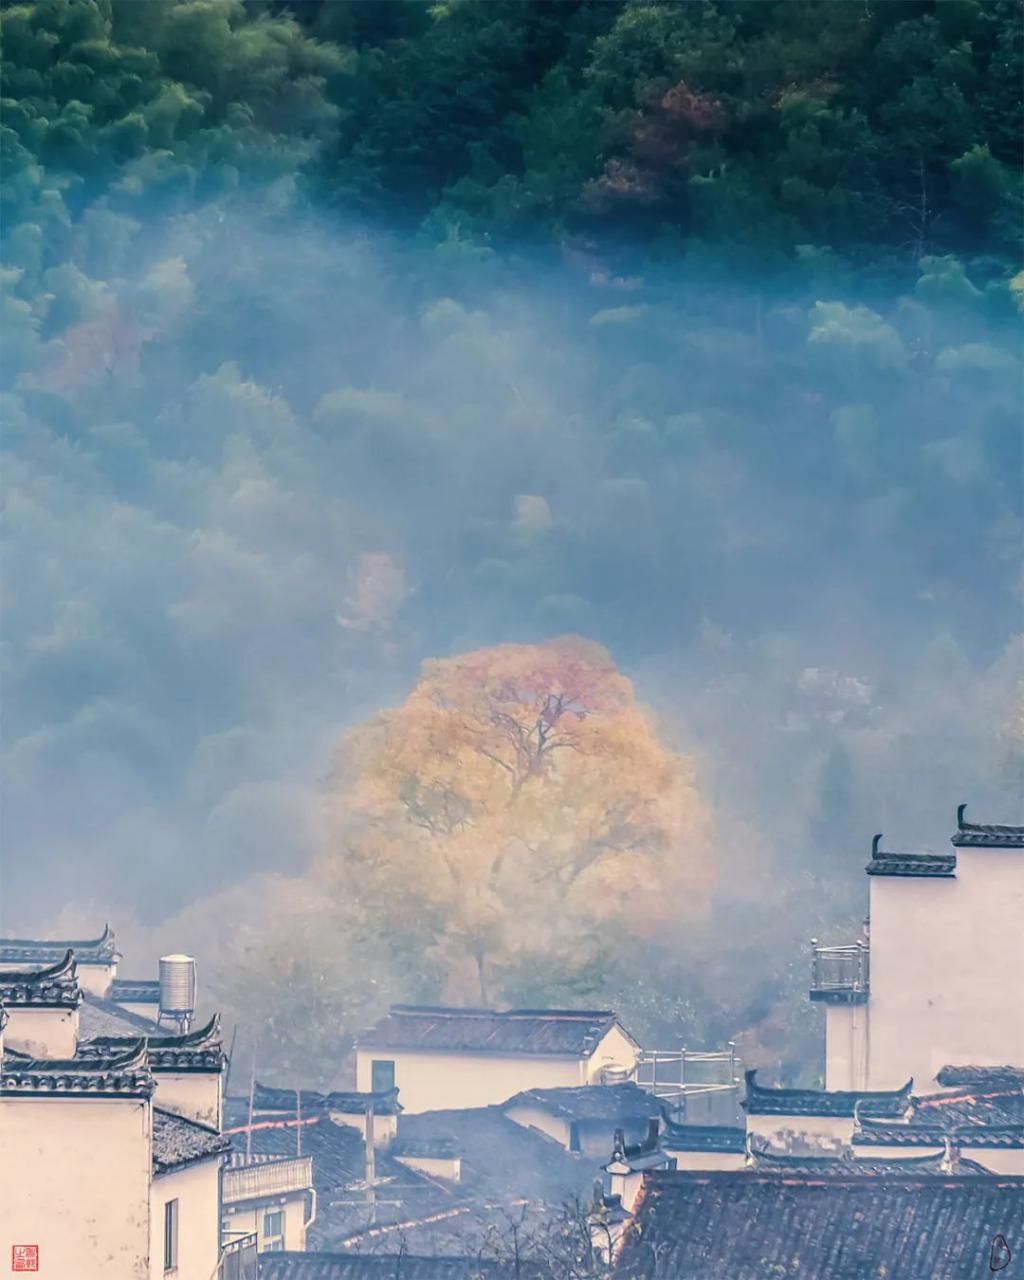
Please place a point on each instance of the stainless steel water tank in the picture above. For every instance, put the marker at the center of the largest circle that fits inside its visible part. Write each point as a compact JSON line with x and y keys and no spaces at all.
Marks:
{"x":177,"y":985}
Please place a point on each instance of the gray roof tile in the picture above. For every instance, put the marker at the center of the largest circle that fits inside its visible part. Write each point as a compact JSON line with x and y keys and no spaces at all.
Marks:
{"x":761,"y":1101}
{"x":337,"y":1266}
{"x":749,"y":1225}
{"x":121,"y":1074}
{"x":99,"y":950}
{"x":612,"y":1102}
{"x":99,"y":1017}
{"x":55,"y":986}
{"x":978,"y":1077}
{"x":986,"y":835}
{"x":704,"y":1137}
{"x":557,"y":1032}
{"x":178,"y":1142}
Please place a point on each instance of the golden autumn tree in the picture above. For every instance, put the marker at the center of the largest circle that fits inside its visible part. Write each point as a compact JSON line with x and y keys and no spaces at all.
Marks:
{"x":517,"y":807}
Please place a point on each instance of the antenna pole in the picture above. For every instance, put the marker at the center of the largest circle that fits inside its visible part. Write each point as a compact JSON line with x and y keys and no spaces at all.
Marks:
{"x":231,"y":1057}
{"x":252,"y":1095}
{"x":298,"y":1122}
{"x":371,"y":1165}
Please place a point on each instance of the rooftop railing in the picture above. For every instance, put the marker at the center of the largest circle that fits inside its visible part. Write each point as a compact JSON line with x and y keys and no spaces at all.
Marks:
{"x":697,"y":1086}
{"x":238,"y":1259}
{"x":267,"y":1178}
{"x":840,"y":972}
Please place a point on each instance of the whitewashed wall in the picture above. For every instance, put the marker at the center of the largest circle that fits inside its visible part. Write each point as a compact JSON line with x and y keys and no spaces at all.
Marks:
{"x":825,"y":1134}
{"x":196,"y":1095}
{"x":444,"y":1081}
{"x":846,"y":1046}
{"x":728,"y":1161}
{"x":196,"y":1187}
{"x":74,"y":1180}
{"x":555,"y":1127}
{"x":947,"y":958}
{"x":42,"y":1033}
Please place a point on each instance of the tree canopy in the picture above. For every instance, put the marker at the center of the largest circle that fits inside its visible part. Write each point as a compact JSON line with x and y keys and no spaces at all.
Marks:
{"x":518,"y":807}
{"x":343,"y":333}
{"x":885,"y":131}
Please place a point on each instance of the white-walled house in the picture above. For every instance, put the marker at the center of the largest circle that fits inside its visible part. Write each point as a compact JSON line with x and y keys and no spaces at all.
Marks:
{"x":75,"y":1172}
{"x":923,"y":1014}
{"x":270,"y":1197}
{"x":441,"y":1057}
{"x":814,"y":1120}
{"x":96,"y":959}
{"x":110,"y":1146}
{"x":188,"y":1070}
{"x":184,"y":1221}
{"x":588,"y":1118}
{"x":936,"y":981}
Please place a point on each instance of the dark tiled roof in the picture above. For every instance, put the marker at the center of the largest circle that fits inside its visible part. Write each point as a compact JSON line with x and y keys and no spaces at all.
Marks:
{"x":941,"y":865}
{"x":339,"y":1169}
{"x":385,"y":1102}
{"x":505,"y":1169}
{"x":937,"y":866}
{"x":135,"y":990}
{"x":611,"y":1102}
{"x":338,"y":1266}
{"x":99,"y":950}
{"x":985,"y":835}
{"x":703,"y":1137}
{"x":503,"y":1161}
{"x":198,"y":1050}
{"x":337,"y":1150}
{"x":989,"y":1116}
{"x":425,"y":1148}
{"x":748,"y":1225}
{"x":815,"y":1102}
{"x":559,"y":1032}
{"x":53,"y":987}
{"x":177,"y":1141}
{"x":850,"y":1166}
{"x":952,"y":1076}
{"x":99,"y":1017}
{"x":995,"y":1104}
{"x":122,"y":1075}
{"x":1005,"y":1137}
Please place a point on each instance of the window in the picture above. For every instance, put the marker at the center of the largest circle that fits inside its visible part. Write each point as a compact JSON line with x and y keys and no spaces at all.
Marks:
{"x":273,"y":1231}
{"x":382,"y":1075}
{"x":170,"y":1235}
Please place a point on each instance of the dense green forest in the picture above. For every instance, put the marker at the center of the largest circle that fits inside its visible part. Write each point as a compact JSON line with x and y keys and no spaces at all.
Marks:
{"x":343,"y":335}
{"x":880,"y":130}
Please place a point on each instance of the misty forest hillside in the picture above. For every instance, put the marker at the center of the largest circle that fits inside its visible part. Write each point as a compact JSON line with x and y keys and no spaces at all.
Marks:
{"x":344,"y":336}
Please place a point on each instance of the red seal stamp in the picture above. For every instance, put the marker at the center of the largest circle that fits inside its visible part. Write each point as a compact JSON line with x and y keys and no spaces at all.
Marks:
{"x":24,"y":1257}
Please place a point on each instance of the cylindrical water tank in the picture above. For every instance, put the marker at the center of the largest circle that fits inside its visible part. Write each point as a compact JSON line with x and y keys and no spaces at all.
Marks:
{"x":177,"y":984}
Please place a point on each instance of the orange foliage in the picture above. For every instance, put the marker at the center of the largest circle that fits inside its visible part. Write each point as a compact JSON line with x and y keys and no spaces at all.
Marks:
{"x":522,"y":799}
{"x":89,"y":353}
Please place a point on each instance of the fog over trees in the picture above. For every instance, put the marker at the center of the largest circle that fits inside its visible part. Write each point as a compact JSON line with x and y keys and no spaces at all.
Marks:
{"x":366,"y":364}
